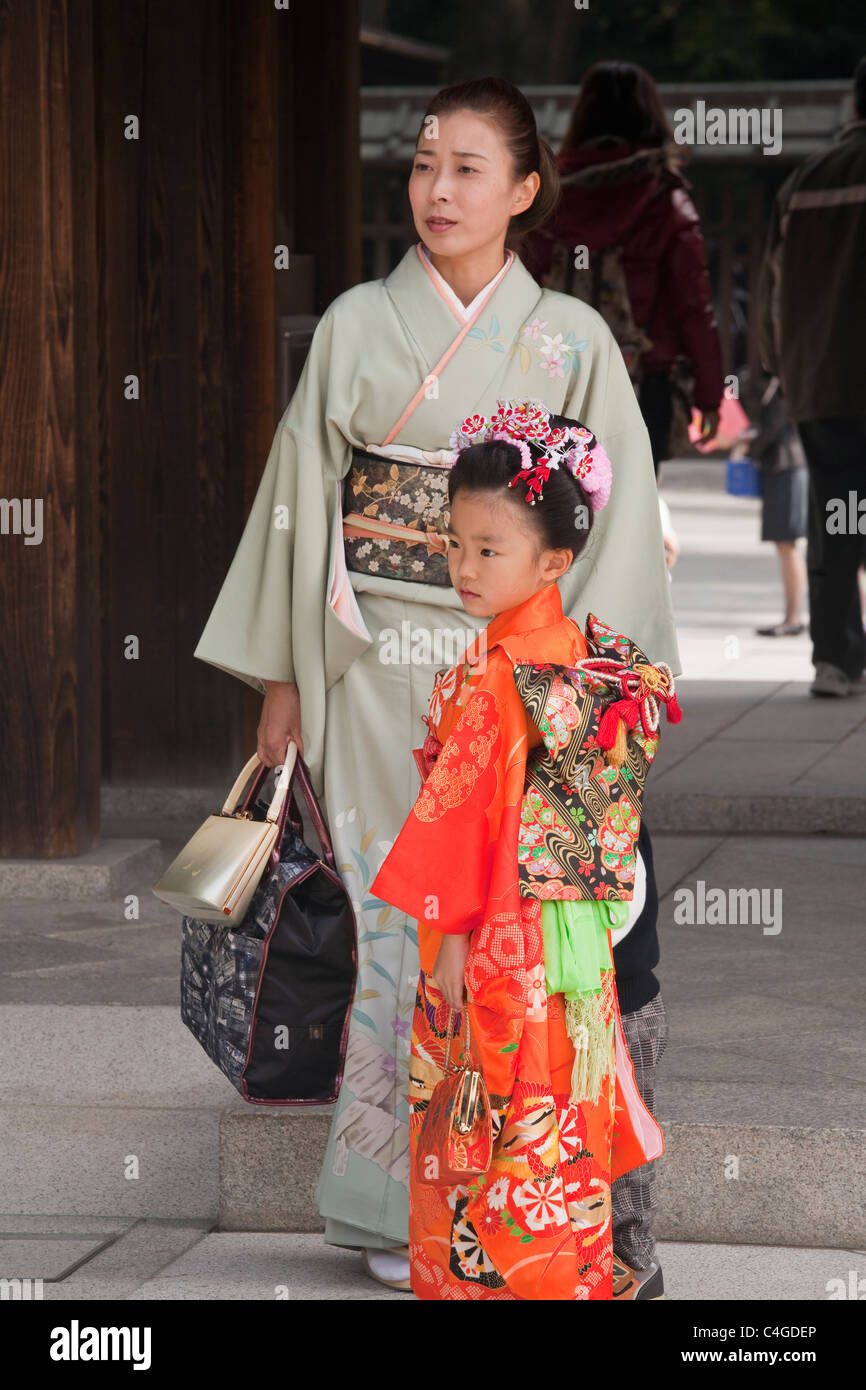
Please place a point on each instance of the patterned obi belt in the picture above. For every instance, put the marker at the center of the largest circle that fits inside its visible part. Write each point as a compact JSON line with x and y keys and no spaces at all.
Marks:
{"x":394,"y":516}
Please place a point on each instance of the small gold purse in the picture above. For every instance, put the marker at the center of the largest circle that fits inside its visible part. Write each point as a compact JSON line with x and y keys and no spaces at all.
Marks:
{"x":456,"y":1138}
{"x":217,"y":872}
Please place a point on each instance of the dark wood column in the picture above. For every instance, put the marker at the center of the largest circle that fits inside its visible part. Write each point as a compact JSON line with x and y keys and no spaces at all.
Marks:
{"x":146,"y":175}
{"x":49,"y":592}
{"x":169,"y":453}
{"x":326,"y":177}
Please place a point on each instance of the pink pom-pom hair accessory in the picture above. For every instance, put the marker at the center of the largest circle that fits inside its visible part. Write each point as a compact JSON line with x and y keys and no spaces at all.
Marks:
{"x":588,"y":462}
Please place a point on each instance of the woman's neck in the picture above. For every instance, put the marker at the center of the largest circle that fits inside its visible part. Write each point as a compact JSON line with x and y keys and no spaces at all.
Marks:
{"x":467,"y":275}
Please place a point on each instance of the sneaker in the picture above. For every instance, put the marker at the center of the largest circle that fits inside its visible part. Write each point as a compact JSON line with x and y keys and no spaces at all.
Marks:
{"x":631,"y":1284}
{"x":830,"y":680}
{"x":389,"y":1267}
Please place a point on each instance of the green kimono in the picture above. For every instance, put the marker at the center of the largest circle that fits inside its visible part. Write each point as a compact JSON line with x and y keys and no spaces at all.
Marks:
{"x":364,"y":647}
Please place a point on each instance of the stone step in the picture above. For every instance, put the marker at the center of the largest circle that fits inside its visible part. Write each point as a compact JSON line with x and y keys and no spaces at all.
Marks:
{"x":117,"y":1112}
{"x":746,"y":813}
{"x":98,"y":875}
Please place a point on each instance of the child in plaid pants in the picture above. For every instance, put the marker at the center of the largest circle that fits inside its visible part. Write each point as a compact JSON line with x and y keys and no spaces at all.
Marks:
{"x":637,"y":1274}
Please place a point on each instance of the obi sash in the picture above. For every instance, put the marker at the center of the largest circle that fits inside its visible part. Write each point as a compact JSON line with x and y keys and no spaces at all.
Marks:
{"x":581,"y":813}
{"x":394,"y":517}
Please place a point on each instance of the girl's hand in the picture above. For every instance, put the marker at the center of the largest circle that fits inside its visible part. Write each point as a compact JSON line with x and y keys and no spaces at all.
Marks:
{"x":280,"y":722}
{"x":450,"y":967}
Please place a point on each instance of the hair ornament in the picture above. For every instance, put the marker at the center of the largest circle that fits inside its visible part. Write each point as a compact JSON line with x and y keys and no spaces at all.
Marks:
{"x":543,"y":446}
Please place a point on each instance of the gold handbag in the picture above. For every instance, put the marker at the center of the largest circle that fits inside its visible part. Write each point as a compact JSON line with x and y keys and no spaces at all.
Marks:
{"x":456,"y":1138}
{"x":218,"y":870}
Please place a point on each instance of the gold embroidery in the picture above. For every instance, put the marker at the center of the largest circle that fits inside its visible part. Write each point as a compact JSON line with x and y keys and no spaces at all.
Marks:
{"x":448,"y":786}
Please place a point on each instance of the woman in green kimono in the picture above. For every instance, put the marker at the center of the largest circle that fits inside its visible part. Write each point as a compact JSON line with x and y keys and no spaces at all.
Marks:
{"x":337,"y":605}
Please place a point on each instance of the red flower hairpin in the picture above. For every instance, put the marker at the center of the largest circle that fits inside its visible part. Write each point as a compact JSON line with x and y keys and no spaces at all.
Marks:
{"x":543,"y":446}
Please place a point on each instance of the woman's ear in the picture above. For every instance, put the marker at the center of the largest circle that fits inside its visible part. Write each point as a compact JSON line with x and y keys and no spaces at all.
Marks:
{"x":525,"y":196}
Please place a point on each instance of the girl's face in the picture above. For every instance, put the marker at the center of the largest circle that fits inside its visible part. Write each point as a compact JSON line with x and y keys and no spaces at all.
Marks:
{"x":494,"y":556}
{"x":462,"y":188}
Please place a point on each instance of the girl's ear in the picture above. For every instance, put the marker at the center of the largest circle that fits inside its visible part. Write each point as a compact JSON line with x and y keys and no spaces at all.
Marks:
{"x":555,"y":563}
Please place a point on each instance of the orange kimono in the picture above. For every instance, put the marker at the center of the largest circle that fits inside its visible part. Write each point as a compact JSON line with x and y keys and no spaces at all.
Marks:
{"x":537,"y":1225}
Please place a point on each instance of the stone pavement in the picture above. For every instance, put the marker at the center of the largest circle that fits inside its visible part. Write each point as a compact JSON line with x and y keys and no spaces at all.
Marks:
{"x":153,"y":1260}
{"x":755,"y":751}
{"x":762,"y":1089}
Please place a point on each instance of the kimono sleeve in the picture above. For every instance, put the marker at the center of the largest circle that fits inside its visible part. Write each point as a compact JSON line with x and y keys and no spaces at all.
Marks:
{"x":622,"y":575}
{"x":283,"y":612}
{"x":442,"y":869}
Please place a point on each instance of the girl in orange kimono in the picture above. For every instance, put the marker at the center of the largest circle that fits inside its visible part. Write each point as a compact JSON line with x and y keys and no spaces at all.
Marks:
{"x":537,"y":1224}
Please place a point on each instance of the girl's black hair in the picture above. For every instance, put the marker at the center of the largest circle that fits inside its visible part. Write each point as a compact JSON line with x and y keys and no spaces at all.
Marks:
{"x":489,"y":467}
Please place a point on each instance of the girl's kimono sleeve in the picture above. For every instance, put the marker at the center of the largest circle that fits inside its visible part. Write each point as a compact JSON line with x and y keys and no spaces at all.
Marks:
{"x":455,"y":860}
{"x":622,"y":575}
{"x":285,"y":611}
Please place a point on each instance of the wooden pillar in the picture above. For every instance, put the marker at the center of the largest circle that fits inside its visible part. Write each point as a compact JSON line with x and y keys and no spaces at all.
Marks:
{"x":139,"y":390}
{"x":253,"y":157}
{"x":170,"y":455}
{"x":327,"y":147}
{"x":49,"y":591}
{"x":255,"y":35}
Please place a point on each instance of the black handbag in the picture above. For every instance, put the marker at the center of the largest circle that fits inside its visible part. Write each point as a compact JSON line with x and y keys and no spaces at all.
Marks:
{"x":270,"y":1000}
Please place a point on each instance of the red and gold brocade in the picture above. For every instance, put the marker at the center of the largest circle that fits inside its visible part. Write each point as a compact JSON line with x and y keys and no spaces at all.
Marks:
{"x":538,"y":1224}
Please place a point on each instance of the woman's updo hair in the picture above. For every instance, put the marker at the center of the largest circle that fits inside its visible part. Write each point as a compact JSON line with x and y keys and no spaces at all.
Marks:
{"x":505,"y":104}
{"x":558,"y":525}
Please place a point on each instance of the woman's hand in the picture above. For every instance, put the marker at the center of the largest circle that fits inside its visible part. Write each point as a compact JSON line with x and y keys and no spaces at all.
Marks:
{"x":280,"y":722}
{"x":449,"y":970}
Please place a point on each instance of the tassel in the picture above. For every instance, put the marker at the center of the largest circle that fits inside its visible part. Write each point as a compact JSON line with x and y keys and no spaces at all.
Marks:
{"x":590,"y":1034}
{"x":617,"y":755}
{"x":609,"y":724}
{"x":673,"y":711}
{"x":613,"y":728}
{"x":579,"y":1034}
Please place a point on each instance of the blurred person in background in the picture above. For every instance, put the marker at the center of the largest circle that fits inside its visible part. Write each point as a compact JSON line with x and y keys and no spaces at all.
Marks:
{"x":812,"y":297}
{"x":776,"y":446}
{"x":626,"y":202}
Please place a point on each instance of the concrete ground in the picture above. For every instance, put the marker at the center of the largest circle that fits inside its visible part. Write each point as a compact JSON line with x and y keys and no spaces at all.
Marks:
{"x":761,"y":1091}
{"x":136,"y":1263}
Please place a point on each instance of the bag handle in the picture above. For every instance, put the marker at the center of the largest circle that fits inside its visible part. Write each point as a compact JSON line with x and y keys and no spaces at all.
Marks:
{"x":281,"y":791}
{"x":299,"y":777}
{"x":467,"y":1046}
{"x":231,"y":800}
{"x":294,"y":770}
{"x":320,"y":826}
{"x":294,"y":815}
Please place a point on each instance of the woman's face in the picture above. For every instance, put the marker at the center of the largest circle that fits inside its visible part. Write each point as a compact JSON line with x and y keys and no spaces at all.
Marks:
{"x":462,"y":186}
{"x":494,"y":559}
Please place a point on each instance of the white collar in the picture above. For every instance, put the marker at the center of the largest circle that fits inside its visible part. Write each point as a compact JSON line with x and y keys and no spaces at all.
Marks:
{"x":464,"y":310}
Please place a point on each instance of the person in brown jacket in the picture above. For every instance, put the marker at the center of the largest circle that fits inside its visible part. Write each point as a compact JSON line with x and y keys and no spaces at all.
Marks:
{"x":812,"y":307}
